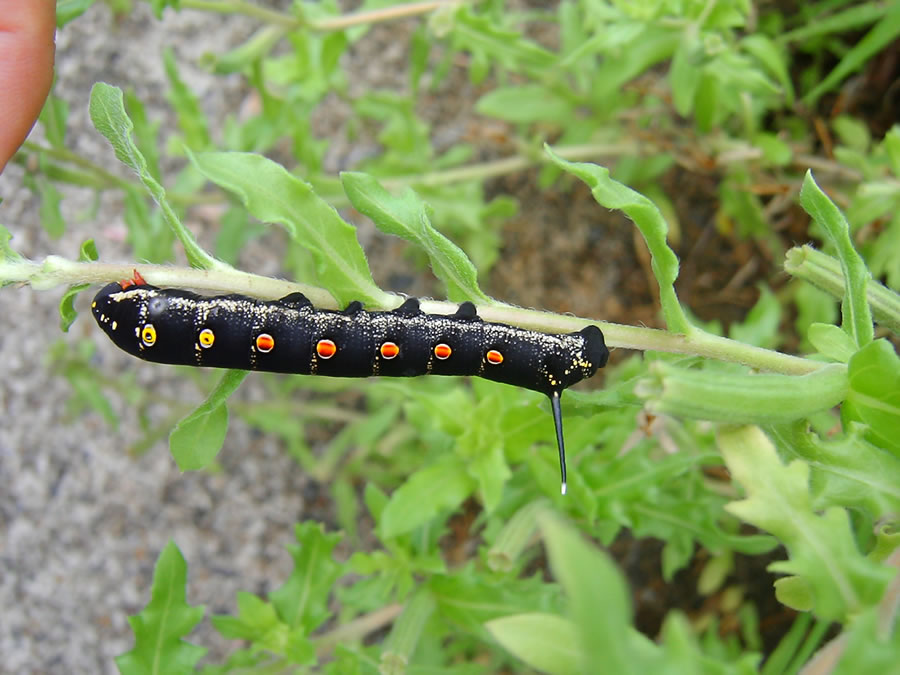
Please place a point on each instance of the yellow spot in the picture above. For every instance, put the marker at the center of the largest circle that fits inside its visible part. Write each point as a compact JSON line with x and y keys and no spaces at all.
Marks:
{"x":206,"y":338}
{"x":148,"y":335}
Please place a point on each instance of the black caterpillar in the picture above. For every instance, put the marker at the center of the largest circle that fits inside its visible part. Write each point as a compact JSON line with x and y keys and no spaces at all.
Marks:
{"x":291,"y":336}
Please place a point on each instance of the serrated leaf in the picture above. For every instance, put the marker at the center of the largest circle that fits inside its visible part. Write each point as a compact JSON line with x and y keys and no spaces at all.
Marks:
{"x":428,"y":492}
{"x":822,"y":548}
{"x":273,"y":195}
{"x":406,"y":216}
{"x":196,"y":440}
{"x":158,"y":629}
{"x":302,"y":601}
{"x":874,"y":373}
{"x":545,"y":642}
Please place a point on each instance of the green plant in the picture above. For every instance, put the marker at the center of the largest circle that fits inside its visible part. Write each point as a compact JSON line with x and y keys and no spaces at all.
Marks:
{"x":822,"y":484}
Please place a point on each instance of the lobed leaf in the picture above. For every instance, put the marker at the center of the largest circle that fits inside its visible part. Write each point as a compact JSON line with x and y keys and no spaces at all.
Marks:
{"x":302,"y":601}
{"x":845,"y":470}
{"x":829,"y":572}
{"x":158,"y":629}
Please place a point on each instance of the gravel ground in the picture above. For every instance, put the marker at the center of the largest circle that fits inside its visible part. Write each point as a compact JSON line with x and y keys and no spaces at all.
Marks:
{"x":81,"y":522}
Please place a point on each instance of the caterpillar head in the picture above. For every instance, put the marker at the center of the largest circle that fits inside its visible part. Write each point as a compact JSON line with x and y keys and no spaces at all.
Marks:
{"x":121,"y":311}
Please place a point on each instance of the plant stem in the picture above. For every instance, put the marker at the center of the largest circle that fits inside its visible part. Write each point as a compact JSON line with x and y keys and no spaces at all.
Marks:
{"x":57,"y":271}
{"x":820,"y":269}
{"x":245,"y":8}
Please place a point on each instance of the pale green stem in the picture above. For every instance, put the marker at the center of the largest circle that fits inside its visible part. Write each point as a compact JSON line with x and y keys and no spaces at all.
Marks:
{"x":820,"y":269}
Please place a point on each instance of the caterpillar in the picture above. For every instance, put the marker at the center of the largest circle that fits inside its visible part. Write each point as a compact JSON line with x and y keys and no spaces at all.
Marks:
{"x":291,"y":336}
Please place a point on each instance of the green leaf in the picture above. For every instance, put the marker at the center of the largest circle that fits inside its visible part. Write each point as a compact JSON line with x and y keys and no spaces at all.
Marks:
{"x":428,"y":492}
{"x":845,"y":470}
{"x":67,"y":313}
{"x":857,"y":320}
{"x":649,"y":220}
{"x":545,"y":642}
{"x":685,"y":72}
{"x":196,"y":440}
{"x":598,"y":601}
{"x":407,"y":217}
{"x":191,"y":119}
{"x":831,"y":341}
{"x":69,"y":10}
{"x":51,"y":217}
{"x":875,"y":391}
{"x":837,"y":580}
{"x":53,"y":116}
{"x":7,"y":254}
{"x":878,"y":38}
{"x":158,"y":647}
{"x":302,"y":601}
{"x":273,"y":195}
{"x":496,"y":45}
{"x":107,"y":109}
{"x":760,"y":328}
{"x":258,"y":622}
{"x":525,"y":103}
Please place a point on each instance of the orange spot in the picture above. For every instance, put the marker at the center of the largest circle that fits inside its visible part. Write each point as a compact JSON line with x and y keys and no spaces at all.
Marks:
{"x":389,"y":350}
{"x":494,"y":357}
{"x":326,"y":349}
{"x":442,"y":351}
{"x":265,"y":343}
